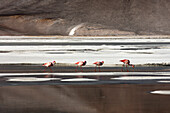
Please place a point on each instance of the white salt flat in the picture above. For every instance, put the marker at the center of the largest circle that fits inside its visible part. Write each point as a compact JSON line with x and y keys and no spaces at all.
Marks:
{"x":162,"y":92}
{"x":78,"y":79}
{"x":30,"y":79}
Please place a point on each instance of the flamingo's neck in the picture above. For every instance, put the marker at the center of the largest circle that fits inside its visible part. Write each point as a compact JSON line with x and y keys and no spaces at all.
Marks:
{"x":131,"y":65}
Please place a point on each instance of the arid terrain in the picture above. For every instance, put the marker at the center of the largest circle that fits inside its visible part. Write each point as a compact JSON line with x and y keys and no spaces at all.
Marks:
{"x":95,"y":17}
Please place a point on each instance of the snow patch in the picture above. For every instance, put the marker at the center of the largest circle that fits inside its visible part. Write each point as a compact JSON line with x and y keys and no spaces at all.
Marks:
{"x":72,"y":31}
{"x":163,"y":92}
{"x":140,"y":78}
{"x":164,"y":81}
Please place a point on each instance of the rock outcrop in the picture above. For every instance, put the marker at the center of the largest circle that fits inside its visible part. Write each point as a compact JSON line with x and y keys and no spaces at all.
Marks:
{"x":97,"y":17}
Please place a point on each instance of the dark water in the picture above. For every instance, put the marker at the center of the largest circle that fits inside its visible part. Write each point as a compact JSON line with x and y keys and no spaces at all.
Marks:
{"x":113,"y":98}
{"x":104,"y":95}
{"x":101,"y":96}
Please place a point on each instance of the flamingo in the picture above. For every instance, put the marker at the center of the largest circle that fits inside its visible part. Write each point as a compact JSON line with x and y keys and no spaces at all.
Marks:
{"x":49,"y":64}
{"x":98,"y":63}
{"x":80,"y":64}
{"x":127,"y":63}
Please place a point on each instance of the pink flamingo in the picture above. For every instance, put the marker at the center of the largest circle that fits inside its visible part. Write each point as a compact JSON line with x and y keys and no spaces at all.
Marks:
{"x":127,"y":63}
{"x":49,"y":64}
{"x":98,"y":63}
{"x":80,"y":64}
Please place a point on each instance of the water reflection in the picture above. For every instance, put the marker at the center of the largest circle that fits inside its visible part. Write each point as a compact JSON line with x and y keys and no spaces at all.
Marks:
{"x":53,"y":93}
{"x":117,"y":98}
{"x":49,"y":76}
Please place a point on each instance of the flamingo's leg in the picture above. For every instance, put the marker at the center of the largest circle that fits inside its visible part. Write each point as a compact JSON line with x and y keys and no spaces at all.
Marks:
{"x":99,"y":68}
{"x":95,"y":68}
{"x":76,"y":69}
{"x":122,"y":67}
{"x":50,"y":69}
{"x":127,"y":68}
{"x":45,"y":69}
{"x":81,"y":68}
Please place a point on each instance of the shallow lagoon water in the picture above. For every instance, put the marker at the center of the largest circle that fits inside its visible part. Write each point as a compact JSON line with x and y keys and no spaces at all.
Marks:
{"x":80,"y":92}
{"x":92,"y":94}
{"x":27,"y":89}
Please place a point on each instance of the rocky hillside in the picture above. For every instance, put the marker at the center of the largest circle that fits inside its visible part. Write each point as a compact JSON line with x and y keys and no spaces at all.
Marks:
{"x":86,"y":17}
